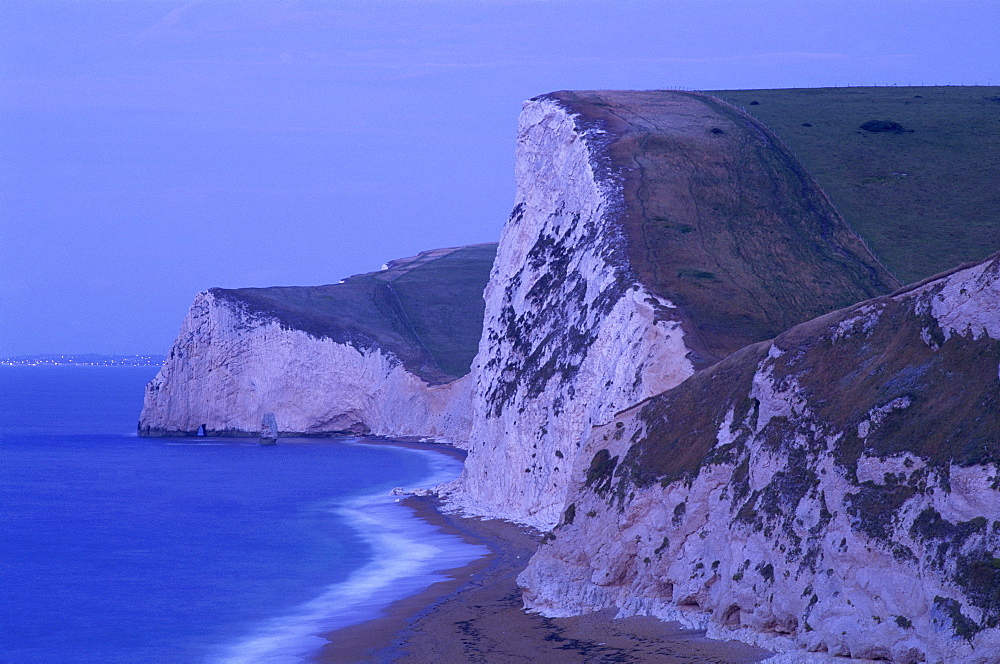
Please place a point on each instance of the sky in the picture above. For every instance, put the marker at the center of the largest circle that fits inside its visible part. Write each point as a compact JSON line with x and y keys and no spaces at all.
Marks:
{"x":150,"y":150}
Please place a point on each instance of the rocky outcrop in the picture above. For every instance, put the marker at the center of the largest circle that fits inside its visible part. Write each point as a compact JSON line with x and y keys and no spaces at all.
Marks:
{"x":836,"y":489}
{"x":381,"y":353}
{"x":654,"y":233}
{"x":269,"y":429}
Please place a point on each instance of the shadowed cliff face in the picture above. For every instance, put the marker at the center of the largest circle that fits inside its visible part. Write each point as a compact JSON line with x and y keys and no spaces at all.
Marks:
{"x":720,"y":219}
{"x":426,"y":310}
{"x":835,"y":488}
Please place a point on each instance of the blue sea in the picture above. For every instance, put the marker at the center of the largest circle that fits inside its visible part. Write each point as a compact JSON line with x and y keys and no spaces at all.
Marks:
{"x":119,"y":549}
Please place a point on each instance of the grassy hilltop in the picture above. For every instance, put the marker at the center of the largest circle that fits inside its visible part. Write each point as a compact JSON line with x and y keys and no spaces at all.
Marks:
{"x":721,"y":220}
{"x":427,"y":310}
{"x":923,"y":194}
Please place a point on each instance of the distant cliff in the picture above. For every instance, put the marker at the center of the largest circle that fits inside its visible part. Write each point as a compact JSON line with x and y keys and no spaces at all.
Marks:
{"x":836,"y":488}
{"x":654,"y":233}
{"x":378,"y":353}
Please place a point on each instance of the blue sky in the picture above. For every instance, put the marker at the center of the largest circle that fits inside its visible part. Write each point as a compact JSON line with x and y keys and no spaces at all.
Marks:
{"x":150,"y":149}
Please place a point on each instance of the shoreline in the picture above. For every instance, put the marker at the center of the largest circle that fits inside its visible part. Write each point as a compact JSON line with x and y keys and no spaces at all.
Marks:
{"x":381,"y":639}
{"x":476,"y":614}
{"x":413,"y":443}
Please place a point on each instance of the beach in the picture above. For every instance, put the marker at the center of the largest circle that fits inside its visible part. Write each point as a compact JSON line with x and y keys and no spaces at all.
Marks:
{"x":476,"y":616}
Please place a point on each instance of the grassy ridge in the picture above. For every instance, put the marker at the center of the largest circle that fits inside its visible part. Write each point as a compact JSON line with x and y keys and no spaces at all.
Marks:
{"x":443,"y":301}
{"x":926,"y":198}
{"x":427,"y":310}
{"x":723,"y":221}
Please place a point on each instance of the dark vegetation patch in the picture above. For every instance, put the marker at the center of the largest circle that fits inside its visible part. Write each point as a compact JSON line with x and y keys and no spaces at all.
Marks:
{"x":601,"y":471}
{"x":976,"y":572}
{"x":884,"y":126}
{"x":427,"y":310}
{"x":944,"y":537}
{"x":962,"y":625}
{"x":979,"y":577}
{"x":570,"y":514}
{"x":929,"y":525}
{"x":779,"y":432}
{"x":944,"y":212}
{"x":787,"y":488}
{"x":874,"y":508}
{"x":693,"y":273}
{"x":772,"y":508}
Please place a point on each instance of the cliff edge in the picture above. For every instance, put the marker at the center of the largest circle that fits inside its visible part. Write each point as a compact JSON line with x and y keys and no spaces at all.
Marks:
{"x":654,"y":233}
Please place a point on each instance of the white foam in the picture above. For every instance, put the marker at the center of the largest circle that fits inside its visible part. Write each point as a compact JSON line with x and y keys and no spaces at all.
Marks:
{"x":410,"y":557}
{"x":201,"y":444}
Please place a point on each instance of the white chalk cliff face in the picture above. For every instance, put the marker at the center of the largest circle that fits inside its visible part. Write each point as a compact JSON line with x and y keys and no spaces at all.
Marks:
{"x":583,"y":318}
{"x":835,"y":490}
{"x":228,"y":368}
{"x":385,"y":353}
{"x":570,"y":338}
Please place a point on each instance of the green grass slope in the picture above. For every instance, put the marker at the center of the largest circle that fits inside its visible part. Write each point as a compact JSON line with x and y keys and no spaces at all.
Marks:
{"x":427,"y":310}
{"x":926,"y":197}
{"x":719,"y":218}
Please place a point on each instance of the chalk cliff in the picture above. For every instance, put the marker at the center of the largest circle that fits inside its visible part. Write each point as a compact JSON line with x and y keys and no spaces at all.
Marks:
{"x":654,"y":233}
{"x":760,"y":466}
{"x":386,"y":353}
{"x":836,"y":489}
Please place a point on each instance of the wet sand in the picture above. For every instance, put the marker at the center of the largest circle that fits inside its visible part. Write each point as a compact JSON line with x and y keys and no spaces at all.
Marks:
{"x":477,"y":616}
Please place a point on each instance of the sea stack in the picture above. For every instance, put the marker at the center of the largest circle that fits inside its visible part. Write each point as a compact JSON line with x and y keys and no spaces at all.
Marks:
{"x":268,"y":429}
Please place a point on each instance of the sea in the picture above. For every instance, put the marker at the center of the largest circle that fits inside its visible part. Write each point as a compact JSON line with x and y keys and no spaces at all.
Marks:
{"x":120,"y":549}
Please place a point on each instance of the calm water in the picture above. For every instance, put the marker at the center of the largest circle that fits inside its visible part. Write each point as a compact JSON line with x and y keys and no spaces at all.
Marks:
{"x":115,"y":548}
